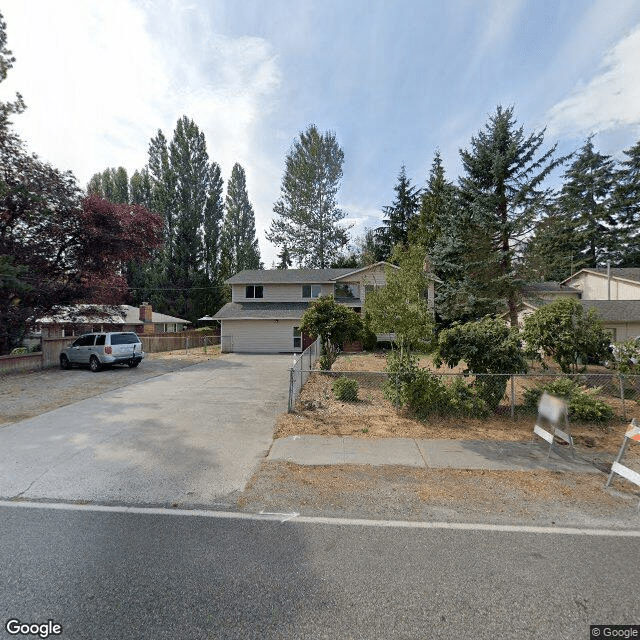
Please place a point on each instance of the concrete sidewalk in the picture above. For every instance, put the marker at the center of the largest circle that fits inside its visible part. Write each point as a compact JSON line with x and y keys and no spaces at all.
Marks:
{"x":429,"y":454}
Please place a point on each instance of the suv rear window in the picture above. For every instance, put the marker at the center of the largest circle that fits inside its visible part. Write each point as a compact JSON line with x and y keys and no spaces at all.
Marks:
{"x":124,"y":338}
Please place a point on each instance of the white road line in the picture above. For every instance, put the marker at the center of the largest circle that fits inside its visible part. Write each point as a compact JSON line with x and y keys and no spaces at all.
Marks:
{"x":399,"y":524}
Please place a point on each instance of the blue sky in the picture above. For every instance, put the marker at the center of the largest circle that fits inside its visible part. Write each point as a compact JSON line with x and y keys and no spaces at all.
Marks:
{"x":394,"y":80}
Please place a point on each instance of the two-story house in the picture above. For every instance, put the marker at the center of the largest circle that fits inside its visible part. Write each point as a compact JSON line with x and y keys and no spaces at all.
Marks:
{"x":614,"y":293}
{"x":266,"y":305}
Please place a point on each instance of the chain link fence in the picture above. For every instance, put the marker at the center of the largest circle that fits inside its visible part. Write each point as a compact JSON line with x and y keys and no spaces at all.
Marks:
{"x":303,"y":366}
{"x":598,"y":398}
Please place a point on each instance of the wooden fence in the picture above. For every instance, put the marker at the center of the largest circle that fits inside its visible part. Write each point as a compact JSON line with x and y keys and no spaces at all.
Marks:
{"x":51,"y":348}
{"x":25,"y":362}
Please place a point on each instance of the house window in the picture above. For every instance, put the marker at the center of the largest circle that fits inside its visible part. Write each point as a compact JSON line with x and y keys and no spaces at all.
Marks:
{"x":297,"y":338}
{"x":368,"y":288}
{"x":254,"y":291}
{"x":346,"y":290}
{"x":311,"y":290}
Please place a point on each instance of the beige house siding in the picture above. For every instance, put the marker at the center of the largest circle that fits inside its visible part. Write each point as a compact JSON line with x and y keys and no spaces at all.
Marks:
{"x":258,"y":336}
{"x":277,"y":293}
{"x":622,"y":330}
{"x":594,"y":287}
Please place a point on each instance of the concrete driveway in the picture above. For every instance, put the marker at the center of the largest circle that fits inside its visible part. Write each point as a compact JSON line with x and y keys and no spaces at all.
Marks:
{"x":192,"y":438}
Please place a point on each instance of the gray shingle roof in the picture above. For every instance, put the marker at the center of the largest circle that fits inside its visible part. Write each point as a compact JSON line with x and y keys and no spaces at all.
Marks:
{"x":284,"y":276}
{"x":630,"y":273}
{"x":615,"y":310}
{"x":532,"y":287}
{"x":262,"y":310}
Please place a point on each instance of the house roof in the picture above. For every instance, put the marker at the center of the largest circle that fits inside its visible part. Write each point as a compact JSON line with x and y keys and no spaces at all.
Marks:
{"x":287,"y":276}
{"x":608,"y":310}
{"x":550,"y":286}
{"x":262,"y":311}
{"x":105,"y":314}
{"x":351,"y":272}
{"x":622,"y":273}
{"x":615,"y":310}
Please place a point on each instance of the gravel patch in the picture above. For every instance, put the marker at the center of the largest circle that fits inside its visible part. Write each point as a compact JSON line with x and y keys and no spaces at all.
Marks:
{"x":31,"y":393}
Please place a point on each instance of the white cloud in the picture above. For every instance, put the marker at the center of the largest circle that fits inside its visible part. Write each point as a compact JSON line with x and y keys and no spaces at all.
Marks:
{"x":609,"y":100}
{"x":101,"y":78}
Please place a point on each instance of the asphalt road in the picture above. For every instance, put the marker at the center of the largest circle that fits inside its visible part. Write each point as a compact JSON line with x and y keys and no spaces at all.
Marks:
{"x":190,"y":437}
{"x":144,"y":575}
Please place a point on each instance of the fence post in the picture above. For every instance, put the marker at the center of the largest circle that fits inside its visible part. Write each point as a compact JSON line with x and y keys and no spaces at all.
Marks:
{"x":187,"y":347}
{"x":513,"y":396}
{"x":624,"y":408}
{"x":290,"y":403}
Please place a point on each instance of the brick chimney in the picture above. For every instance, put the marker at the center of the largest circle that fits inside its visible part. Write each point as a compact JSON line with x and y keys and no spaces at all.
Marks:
{"x":146,"y":312}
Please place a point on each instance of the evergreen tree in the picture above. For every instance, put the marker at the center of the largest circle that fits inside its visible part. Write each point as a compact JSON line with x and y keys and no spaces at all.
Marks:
{"x":434,"y":203}
{"x":627,"y":199}
{"x":307,"y":212}
{"x":399,"y":216}
{"x":163,"y":184}
{"x":213,"y":215}
{"x":239,"y":247}
{"x":551,"y":253}
{"x":586,"y":200}
{"x":284,"y":258}
{"x":112,"y":184}
{"x":504,"y":171}
{"x":140,"y":188}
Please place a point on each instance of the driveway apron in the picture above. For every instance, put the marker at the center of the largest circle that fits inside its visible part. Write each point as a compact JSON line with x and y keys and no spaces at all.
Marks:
{"x":191,"y":438}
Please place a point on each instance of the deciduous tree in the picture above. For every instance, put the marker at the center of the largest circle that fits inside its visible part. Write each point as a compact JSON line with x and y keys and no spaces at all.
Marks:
{"x":563,"y":331}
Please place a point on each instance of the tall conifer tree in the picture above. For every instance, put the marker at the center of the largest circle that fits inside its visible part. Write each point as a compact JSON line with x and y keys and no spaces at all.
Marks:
{"x":502,"y":187}
{"x":587,"y":203}
{"x":239,"y":245}
{"x":308,"y":216}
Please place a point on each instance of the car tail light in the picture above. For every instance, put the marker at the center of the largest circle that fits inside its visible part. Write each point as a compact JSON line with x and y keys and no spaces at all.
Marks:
{"x":107,"y":350}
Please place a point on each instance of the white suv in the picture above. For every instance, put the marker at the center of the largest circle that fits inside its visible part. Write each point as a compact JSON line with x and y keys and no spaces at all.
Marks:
{"x":103,"y":349}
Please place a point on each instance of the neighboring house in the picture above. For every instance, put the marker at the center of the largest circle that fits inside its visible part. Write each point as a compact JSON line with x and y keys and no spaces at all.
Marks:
{"x":85,"y":318}
{"x":537,"y":294}
{"x":266,"y":305}
{"x":613,"y":293}
{"x":606,"y":284}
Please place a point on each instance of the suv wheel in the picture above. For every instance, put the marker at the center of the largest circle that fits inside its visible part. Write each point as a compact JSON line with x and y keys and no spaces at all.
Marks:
{"x":64,"y":362}
{"x":94,"y":364}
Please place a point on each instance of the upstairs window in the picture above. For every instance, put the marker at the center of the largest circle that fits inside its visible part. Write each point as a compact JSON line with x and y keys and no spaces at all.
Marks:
{"x":254,"y":291}
{"x":346,"y":290}
{"x":311,"y":290}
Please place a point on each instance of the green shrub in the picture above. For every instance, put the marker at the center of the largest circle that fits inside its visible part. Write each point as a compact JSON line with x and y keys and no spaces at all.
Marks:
{"x":561,"y":388}
{"x":426,"y":395}
{"x":325,"y":362}
{"x":466,"y":400}
{"x":582,"y":404}
{"x":402,"y":369}
{"x":19,"y":351}
{"x":490,"y":388}
{"x":369,"y":338}
{"x":345,"y":389}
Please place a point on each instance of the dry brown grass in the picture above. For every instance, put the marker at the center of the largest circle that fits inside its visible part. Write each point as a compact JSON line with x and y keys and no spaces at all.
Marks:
{"x":407,"y":491}
{"x":373,"y":416}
